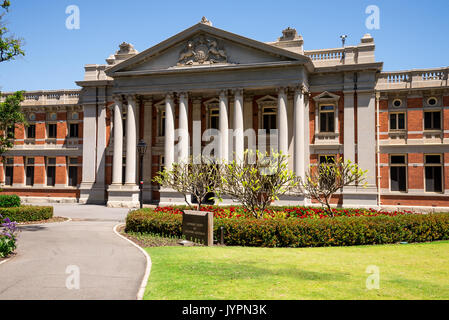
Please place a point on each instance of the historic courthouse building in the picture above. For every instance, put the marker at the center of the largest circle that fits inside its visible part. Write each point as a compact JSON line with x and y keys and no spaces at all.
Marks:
{"x":80,"y":145}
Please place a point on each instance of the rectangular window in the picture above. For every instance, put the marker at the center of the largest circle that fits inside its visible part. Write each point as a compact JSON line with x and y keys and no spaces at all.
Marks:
{"x":9,"y":171}
{"x":433,"y":170}
{"x":29,"y":171}
{"x":73,"y":172}
{"x":214,"y":117}
{"x":327,"y":119}
{"x":398,"y":173}
{"x":432,"y":120}
{"x":51,"y":131}
{"x":31,"y":131}
{"x":397,"y":121}
{"x":73,"y":130}
{"x":51,"y":172}
{"x":269,"y":118}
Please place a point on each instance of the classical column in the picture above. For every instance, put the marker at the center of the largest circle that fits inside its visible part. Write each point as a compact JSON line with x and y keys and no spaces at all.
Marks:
{"x":101,"y":146}
{"x":183,"y":144}
{"x":117,"y":163}
{"x":282,"y":121}
{"x":89,"y":145}
{"x":223,"y":126}
{"x":169,"y":132}
{"x":298,"y":120}
{"x":238,"y":125}
{"x":131,"y":141}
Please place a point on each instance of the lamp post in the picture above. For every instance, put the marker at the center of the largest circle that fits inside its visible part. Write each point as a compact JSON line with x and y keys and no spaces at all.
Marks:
{"x":141,"y":149}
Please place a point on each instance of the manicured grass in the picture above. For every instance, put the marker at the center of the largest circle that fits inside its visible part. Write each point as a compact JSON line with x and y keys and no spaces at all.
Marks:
{"x":407,"y":271}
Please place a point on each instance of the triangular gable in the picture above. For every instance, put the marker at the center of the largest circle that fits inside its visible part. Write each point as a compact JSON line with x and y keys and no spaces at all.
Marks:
{"x":201,"y":41}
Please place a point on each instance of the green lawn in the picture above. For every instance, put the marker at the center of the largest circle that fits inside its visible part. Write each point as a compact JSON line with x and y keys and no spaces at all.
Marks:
{"x":412,"y":271}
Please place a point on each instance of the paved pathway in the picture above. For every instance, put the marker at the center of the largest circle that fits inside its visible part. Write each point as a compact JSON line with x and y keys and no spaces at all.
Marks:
{"x":110,"y":267}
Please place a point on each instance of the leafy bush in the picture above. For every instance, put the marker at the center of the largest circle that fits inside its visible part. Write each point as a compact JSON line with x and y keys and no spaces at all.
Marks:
{"x":27,"y":213}
{"x":7,"y":237}
{"x":9,"y":201}
{"x":295,"y":232}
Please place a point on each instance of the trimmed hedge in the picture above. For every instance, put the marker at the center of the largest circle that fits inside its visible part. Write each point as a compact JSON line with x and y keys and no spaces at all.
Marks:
{"x":27,"y":213}
{"x":339,"y":231}
{"x":9,"y":201}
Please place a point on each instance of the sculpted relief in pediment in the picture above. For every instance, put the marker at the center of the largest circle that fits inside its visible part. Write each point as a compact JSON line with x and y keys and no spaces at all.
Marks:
{"x":202,"y":51}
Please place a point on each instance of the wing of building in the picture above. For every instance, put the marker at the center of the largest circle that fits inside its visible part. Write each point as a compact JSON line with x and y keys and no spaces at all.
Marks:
{"x":80,"y":145}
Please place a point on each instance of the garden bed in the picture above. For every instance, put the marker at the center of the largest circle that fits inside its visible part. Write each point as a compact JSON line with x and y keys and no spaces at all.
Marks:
{"x":300,"y":227}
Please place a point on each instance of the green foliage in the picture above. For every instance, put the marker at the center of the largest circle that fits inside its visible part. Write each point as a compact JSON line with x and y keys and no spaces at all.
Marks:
{"x":339,"y":231}
{"x":198,"y":177}
{"x":27,"y":213}
{"x":10,"y":116}
{"x":322,"y":182}
{"x":10,"y":47}
{"x":8,"y":201}
{"x":257,"y":181}
{"x":7,"y":246}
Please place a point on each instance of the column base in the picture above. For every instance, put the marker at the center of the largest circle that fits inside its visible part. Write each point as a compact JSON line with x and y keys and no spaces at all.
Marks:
{"x":92,"y":194}
{"x":170,"y":197}
{"x":123,"y":196}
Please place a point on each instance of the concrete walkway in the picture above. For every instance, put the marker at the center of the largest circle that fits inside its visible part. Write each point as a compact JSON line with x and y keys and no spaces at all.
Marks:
{"x":109,"y":267}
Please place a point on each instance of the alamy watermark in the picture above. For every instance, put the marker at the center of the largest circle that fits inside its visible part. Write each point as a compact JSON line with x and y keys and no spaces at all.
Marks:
{"x":73,"y":20}
{"x":373,"y":280}
{"x":372,"y":22}
{"x":72,"y":282}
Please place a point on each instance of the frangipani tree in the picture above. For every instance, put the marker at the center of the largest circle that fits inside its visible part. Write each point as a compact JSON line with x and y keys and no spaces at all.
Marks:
{"x":257,"y":181}
{"x":322,"y":182}
{"x":198,"y":178}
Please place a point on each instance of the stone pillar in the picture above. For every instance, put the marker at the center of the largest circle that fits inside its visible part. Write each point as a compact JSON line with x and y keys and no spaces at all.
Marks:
{"x":131,"y":142}
{"x":223,"y":127}
{"x":89,"y":153}
{"x":101,"y":148}
{"x":117,"y":163}
{"x":169,"y":155}
{"x":183,"y":144}
{"x":349,"y":132}
{"x":282,"y":122}
{"x":299,"y":137}
{"x":238,"y":125}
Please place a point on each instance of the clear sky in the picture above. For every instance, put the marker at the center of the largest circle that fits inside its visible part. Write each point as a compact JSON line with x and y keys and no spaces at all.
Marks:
{"x":412,"y":34}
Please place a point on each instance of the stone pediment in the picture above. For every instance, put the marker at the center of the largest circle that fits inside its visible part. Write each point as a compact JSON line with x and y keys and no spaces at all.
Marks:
{"x":205,"y":46}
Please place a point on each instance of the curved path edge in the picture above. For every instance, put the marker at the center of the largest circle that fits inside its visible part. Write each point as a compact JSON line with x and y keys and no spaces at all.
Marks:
{"x":146,"y":276}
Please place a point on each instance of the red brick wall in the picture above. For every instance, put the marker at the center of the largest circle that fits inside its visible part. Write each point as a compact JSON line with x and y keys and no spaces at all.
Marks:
{"x":18,"y":174}
{"x":39,"y":170}
{"x":61,"y":171}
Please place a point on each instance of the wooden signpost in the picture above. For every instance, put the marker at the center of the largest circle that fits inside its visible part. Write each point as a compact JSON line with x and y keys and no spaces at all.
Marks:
{"x":198,"y":226}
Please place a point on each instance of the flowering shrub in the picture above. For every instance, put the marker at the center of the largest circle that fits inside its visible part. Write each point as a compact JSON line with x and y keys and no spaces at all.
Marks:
{"x":9,"y":201}
{"x":302,"y":227}
{"x":285,"y":212}
{"x":7,"y":236}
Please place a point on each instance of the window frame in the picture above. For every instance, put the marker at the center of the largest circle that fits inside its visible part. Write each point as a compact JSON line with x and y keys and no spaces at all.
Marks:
{"x":47,"y":166}
{"x":432,"y":120}
{"x":26,"y":165}
{"x":11,"y":166}
{"x":397,"y":113}
{"x":72,"y":165}
{"x":69,"y":130}
{"x":333,"y":112}
{"x":440,"y":165}
{"x":396,"y":165}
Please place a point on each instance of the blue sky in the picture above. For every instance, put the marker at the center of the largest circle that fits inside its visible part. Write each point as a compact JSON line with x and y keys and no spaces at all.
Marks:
{"x":412,"y":34}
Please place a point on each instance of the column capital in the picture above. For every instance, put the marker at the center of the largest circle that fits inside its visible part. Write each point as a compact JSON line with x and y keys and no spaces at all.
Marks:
{"x":282,"y":90}
{"x":223,"y":93}
{"x":237,"y":92}
{"x":182,"y":95}
{"x":169,"y":96}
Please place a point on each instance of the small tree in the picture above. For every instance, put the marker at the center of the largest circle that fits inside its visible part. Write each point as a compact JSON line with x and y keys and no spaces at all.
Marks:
{"x":322,"y":182}
{"x":257,"y":181}
{"x":197,"y":178}
{"x":10,"y":47}
{"x":10,"y":116}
